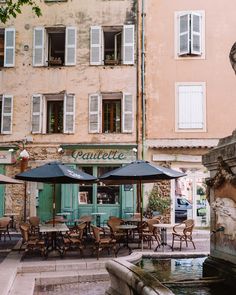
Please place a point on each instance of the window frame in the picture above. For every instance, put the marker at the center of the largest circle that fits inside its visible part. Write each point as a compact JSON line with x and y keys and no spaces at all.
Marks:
{"x":177,"y":14}
{"x":7,"y":47}
{"x":189,"y":130}
{"x":6,"y":114}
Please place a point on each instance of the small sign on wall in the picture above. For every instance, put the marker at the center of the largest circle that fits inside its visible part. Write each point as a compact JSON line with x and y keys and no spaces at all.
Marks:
{"x":6,"y":157}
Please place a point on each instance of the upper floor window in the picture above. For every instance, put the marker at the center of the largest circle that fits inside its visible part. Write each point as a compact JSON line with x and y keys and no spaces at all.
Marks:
{"x":111,"y":113}
{"x":190,"y":107}
{"x":53,"y":113}
{"x":112,"y":45}
{"x":6,"y":109}
{"x":7,"y":47}
{"x":190,"y":33}
{"x":54,"y":46}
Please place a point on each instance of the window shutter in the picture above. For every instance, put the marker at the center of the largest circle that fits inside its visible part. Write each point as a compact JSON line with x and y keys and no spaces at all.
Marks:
{"x":69,"y":113}
{"x":196,"y":32}
{"x":7,"y":110}
{"x":37,"y":113}
{"x":127,"y":113}
{"x":96,"y":45}
{"x":94,"y":113}
{"x":38,"y":50}
{"x":9,"y":47}
{"x":71,"y":40}
{"x":184,"y":34}
{"x":128,"y":44}
{"x":191,"y":109}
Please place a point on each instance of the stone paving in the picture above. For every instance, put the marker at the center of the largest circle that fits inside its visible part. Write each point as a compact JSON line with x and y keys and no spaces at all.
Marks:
{"x":74,"y":268}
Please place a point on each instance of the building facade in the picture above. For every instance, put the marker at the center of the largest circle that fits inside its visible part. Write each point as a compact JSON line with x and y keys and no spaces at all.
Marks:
{"x":68,"y":92}
{"x":190,"y":86}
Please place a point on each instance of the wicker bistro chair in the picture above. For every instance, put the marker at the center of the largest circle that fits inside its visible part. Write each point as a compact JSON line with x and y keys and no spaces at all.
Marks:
{"x":102,"y":243}
{"x":182,"y":232}
{"x":115,"y":233}
{"x":151,"y":233}
{"x":74,"y":239}
{"x":34,"y":222}
{"x":4,"y":227}
{"x":31,"y":244}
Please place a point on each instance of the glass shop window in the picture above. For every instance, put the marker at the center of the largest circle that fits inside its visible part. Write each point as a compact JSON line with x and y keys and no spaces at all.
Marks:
{"x":107,"y":194}
{"x":86,"y":190}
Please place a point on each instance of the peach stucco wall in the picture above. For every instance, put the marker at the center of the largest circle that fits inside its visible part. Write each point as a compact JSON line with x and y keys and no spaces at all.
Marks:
{"x":24,"y":80}
{"x":163,"y":70}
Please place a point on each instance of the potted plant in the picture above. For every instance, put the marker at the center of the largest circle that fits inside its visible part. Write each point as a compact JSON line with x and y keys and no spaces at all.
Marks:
{"x":158,"y":203}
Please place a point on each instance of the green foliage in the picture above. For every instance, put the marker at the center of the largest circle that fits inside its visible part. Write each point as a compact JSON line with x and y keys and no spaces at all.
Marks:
{"x":11,"y":8}
{"x":157,"y":202}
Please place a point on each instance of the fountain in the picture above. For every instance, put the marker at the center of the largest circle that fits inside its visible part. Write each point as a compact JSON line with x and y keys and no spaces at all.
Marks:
{"x":221,"y":162}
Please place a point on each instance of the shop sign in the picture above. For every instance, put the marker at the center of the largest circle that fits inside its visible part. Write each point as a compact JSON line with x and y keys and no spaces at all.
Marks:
{"x":5,"y":157}
{"x":102,"y":156}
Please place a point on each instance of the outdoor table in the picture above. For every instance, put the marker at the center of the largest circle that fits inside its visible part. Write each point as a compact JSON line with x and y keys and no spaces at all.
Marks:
{"x":54,"y":245}
{"x":12,"y":216}
{"x":127,"y":228}
{"x":163,"y":227}
{"x":98,"y":217}
{"x":135,"y":219}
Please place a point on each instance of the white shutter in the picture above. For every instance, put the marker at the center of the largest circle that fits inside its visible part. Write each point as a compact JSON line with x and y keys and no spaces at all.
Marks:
{"x":184,"y":33}
{"x":190,"y":107}
{"x":127,"y":113}
{"x":71,"y":40}
{"x":38,"y":48}
{"x":95,"y":45}
{"x":128,"y":45}
{"x":94,"y":113}
{"x":7,"y":110}
{"x":37,"y":113}
{"x":9,"y":47}
{"x":69,"y":113}
{"x":196,"y":32}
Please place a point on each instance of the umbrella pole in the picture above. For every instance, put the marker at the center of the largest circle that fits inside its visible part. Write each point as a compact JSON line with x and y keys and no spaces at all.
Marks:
{"x":141,"y":212}
{"x":54,"y":205}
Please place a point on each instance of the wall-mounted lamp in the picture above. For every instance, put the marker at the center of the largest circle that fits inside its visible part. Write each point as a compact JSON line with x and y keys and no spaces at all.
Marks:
{"x":60,"y":150}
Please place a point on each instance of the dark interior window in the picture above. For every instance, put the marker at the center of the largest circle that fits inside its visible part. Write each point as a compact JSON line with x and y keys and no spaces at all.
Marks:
{"x":107,"y":194}
{"x":55,"y":116}
{"x":112,"y":47}
{"x":1,"y":48}
{"x":111,"y":116}
{"x":56,"y":48}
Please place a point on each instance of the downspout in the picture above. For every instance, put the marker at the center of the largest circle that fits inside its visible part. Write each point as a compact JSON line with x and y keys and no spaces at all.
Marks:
{"x":143,"y":81}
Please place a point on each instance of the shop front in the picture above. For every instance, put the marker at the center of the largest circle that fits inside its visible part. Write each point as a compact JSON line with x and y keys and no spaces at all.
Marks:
{"x":107,"y":200}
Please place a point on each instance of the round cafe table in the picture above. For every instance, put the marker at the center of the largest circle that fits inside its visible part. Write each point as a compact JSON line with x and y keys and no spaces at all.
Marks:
{"x":126,"y":228}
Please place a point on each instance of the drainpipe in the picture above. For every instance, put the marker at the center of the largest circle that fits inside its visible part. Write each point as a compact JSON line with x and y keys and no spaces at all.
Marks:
{"x":143,"y":79}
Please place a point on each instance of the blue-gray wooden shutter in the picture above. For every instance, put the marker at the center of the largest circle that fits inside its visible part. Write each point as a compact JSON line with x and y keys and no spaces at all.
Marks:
{"x":36,"y":113}
{"x":9,"y":47}
{"x":127,"y":113}
{"x":71,"y":40}
{"x":7,"y":111}
{"x":128,"y":45}
{"x":196,"y":33}
{"x":96,"y":45}
{"x":69,"y":113}
{"x":184,"y":34}
{"x":38,"y":47}
{"x":190,"y":107}
{"x":94,"y":113}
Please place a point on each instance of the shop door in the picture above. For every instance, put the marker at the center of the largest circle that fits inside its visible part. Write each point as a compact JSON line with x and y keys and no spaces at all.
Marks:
{"x":44,"y":208}
{"x":2,"y":193}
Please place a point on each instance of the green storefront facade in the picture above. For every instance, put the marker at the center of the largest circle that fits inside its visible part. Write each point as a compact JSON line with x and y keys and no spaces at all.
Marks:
{"x":78,"y":200}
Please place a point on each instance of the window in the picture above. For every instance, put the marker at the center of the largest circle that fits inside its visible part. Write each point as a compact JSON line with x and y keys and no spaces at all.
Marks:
{"x":53,"y":113}
{"x":190,"y":106}
{"x":190,"y":33}
{"x":7,"y":47}
{"x":112,"y":45}
{"x":111,"y":113}
{"x":54,"y":46}
{"x":107,"y":194}
{"x":6,"y":108}
{"x":86,"y":190}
